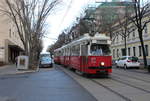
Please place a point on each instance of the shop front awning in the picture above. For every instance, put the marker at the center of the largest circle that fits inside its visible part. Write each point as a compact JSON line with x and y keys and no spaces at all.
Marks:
{"x":15,"y":47}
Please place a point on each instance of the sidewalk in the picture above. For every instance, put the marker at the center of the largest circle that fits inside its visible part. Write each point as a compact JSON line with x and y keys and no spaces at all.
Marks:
{"x":11,"y":69}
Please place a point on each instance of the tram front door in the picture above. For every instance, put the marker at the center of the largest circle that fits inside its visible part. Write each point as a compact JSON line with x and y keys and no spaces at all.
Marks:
{"x":84,"y":57}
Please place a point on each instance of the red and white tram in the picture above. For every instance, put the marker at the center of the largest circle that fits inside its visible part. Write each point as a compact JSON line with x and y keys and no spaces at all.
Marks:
{"x":89,"y":55}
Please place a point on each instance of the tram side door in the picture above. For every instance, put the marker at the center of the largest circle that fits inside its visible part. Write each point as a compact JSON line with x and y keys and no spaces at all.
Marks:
{"x":84,"y":58}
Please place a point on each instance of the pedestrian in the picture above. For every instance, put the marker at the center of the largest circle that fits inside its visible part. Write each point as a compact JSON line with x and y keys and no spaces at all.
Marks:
{"x":16,"y":60}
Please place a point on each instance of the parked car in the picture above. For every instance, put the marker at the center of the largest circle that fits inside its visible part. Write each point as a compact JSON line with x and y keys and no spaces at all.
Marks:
{"x":128,"y":62}
{"x":46,"y":62}
{"x":117,"y":61}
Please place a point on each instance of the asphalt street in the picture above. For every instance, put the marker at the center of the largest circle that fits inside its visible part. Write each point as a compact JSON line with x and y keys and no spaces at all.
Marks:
{"x":46,"y":85}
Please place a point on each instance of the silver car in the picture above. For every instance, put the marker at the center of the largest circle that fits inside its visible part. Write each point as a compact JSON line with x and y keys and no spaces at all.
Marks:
{"x":128,"y":62}
{"x":46,"y":62}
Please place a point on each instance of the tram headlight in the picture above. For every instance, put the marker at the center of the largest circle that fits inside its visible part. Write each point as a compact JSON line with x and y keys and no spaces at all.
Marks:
{"x":102,"y":63}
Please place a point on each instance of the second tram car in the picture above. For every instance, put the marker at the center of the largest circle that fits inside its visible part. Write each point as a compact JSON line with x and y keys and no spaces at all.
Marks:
{"x":89,"y":55}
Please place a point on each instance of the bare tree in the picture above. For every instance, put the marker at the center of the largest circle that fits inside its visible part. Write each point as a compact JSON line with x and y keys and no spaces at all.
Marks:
{"x":140,"y":13}
{"x":83,"y":27}
{"x":125,"y":25}
{"x":30,"y":17}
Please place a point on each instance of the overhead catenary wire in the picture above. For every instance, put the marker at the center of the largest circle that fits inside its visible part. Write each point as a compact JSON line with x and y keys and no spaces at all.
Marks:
{"x":67,"y":10}
{"x":65,"y":14}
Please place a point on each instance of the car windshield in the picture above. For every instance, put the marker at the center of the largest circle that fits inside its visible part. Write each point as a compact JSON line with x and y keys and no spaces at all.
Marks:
{"x":44,"y":55}
{"x":133,"y":58}
{"x":99,"y":50}
{"x":46,"y":59}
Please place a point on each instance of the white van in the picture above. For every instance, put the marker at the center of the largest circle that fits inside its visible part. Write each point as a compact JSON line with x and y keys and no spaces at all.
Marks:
{"x":45,"y":60}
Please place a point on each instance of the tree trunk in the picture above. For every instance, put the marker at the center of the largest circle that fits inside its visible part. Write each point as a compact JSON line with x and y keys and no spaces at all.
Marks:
{"x":125,"y":44}
{"x":143,"y":48}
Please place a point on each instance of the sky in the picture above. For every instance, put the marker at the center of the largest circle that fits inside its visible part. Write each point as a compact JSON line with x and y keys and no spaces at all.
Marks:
{"x":63,"y":17}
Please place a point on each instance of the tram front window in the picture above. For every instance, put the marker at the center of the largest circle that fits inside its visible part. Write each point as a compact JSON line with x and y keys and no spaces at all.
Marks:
{"x":100,"y":50}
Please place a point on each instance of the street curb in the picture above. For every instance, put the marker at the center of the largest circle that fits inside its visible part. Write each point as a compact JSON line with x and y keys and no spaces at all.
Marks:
{"x":26,"y":71}
{"x":18,"y":72}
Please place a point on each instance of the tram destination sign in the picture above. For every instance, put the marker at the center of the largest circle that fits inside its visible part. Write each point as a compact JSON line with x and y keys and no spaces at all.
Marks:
{"x":101,"y":41}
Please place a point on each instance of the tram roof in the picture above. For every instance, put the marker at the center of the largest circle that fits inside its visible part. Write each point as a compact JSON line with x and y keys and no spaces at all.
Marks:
{"x":85,"y":38}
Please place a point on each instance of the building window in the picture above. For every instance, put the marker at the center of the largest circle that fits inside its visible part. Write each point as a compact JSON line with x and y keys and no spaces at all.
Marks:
{"x":145,"y":29}
{"x":134,"y":53}
{"x":128,"y":36}
{"x":146,"y":50}
{"x":117,"y":52}
{"x":133,"y":33}
{"x":140,"y":51}
{"x":129,"y":51}
{"x":10,"y":33}
{"x":122,"y":37}
{"x":117,"y":37}
{"x":113,"y":53}
{"x":123,"y":50}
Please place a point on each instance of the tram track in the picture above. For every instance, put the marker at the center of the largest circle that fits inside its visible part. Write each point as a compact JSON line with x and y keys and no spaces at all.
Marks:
{"x":105,"y":87}
{"x":136,"y":78}
{"x":108,"y":87}
{"x":133,"y":71}
{"x":117,"y":79}
{"x":116,"y":92}
{"x":113,"y":91}
{"x":99,"y":84}
{"x":135,"y":75}
{"x":139,"y":72}
{"x":128,"y":84}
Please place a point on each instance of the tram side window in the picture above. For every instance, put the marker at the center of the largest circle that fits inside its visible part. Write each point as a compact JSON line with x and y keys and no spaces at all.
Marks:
{"x":72,"y":51}
{"x":59,"y":53}
{"x":68,"y":51}
{"x":75,"y":50}
{"x":65,"y":53}
{"x":55,"y":54}
{"x":62,"y":51}
{"x":84,"y":50}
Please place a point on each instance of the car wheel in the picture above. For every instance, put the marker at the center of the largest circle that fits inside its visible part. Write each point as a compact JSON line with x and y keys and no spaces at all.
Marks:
{"x":51,"y":65}
{"x":117,"y":66}
{"x":39,"y":66}
{"x":125,"y":66}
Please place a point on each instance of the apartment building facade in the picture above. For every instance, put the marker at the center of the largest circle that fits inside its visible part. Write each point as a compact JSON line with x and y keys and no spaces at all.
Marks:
{"x":10,"y":43}
{"x":133,"y":43}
